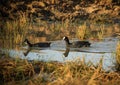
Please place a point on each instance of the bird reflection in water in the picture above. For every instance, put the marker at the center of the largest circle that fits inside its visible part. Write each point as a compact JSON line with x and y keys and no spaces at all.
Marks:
{"x":65,"y":53}
{"x":28,"y":50}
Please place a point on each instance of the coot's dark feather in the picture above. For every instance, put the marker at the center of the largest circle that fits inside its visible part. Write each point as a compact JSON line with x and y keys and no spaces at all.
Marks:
{"x":41,"y":44}
{"x":76,"y":44}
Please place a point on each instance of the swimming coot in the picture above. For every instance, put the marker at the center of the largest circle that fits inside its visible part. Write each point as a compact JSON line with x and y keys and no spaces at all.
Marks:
{"x":76,"y":44}
{"x":41,"y":44}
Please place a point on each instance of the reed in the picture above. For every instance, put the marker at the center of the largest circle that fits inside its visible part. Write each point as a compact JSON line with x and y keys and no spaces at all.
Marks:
{"x":100,"y":34}
{"x":14,"y":32}
{"x":81,"y":31}
{"x":117,"y":64}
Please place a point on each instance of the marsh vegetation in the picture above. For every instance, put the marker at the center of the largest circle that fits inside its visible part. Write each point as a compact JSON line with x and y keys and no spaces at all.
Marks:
{"x":51,"y":20}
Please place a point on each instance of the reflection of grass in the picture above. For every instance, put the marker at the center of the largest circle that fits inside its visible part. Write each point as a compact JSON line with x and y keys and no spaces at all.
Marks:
{"x":14,"y":71}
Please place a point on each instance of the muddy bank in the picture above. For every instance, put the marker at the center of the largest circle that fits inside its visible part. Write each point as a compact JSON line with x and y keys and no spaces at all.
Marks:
{"x":60,"y":10}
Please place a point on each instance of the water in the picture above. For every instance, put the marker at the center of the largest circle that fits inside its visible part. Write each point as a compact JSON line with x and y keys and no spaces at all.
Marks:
{"x":57,"y":52}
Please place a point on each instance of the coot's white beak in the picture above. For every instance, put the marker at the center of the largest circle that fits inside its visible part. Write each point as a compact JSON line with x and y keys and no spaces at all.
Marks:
{"x":63,"y":38}
{"x":25,"y":43}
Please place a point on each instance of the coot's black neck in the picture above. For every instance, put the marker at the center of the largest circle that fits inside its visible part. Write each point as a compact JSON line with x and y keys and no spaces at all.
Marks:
{"x":30,"y":45}
{"x":67,"y":41}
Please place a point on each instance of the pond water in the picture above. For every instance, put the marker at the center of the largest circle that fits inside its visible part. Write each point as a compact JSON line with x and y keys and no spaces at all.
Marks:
{"x":58,"y":52}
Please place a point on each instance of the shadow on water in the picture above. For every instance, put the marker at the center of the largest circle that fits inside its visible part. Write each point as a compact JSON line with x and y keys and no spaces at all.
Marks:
{"x":58,"y":52}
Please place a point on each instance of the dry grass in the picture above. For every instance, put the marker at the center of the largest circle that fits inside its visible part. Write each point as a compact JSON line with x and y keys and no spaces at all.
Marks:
{"x":14,"y":31}
{"x":81,"y":31}
{"x":101,"y":33}
{"x":17,"y":71}
{"x":118,"y":53}
{"x":117,"y":64}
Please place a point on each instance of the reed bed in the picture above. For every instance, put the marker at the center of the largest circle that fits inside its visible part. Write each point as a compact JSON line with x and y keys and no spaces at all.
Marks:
{"x":14,"y":32}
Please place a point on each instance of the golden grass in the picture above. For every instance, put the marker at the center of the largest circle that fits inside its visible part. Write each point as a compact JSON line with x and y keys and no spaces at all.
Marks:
{"x":100,"y":34}
{"x":118,"y":52}
{"x":14,"y":32}
{"x":17,"y":71}
{"x":107,"y":2}
{"x":117,"y":64}
{"x":81,"y":31}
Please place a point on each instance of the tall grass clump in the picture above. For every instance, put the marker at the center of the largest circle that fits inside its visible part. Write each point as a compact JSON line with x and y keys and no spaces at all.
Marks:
{"x":64,"y":28}
{"x":14,"y":31}
{"x":76,"y":73}
{"x":100,"y":34}
{"x":82,"y":32}
{"x":70,"y":73}
{"x":15,"y":70}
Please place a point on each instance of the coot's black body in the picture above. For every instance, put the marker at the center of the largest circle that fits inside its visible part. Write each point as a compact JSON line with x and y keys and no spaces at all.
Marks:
{"x":41,"y":44}
{"x":76,"y":44}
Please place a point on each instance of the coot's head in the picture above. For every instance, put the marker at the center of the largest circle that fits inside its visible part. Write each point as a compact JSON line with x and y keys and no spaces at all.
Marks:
{"x":26,"y":41}
{"x":66,"y":39}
